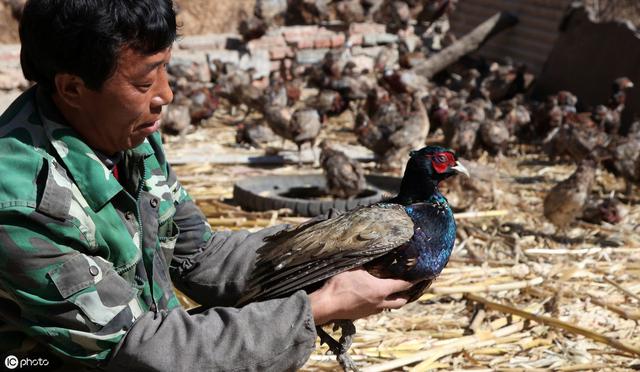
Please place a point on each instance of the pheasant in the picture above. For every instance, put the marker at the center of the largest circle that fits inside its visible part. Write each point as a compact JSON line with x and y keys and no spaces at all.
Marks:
{"x":254,"y":134}
{"x":345,"y":176}
{"x":616,"y":105}
{"x":624,"y":159}
{"x":303,"y":126}
{"x":566,"y":200}
{"x":408,"y":237}
{"x":385,"y":130}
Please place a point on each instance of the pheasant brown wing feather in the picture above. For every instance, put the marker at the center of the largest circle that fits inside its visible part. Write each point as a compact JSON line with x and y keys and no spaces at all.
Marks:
{"x":309,"y":253}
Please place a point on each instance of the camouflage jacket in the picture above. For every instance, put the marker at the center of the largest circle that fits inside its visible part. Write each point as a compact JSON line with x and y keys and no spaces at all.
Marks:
{"x":87,"y":262}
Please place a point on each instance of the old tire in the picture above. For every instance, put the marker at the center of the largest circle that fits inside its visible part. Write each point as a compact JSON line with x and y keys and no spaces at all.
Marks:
{"x":275,"y":192}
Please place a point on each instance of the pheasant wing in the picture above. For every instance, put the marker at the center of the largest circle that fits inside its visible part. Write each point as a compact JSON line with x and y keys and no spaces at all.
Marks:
{"x":297,"y":258}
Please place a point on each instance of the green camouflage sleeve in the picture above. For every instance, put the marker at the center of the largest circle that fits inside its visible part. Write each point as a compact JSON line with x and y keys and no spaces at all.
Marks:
{"x":73,"y":302}
{"x":215,"y":272}
{"x":210,"y":267}
{"x":81,"y":308}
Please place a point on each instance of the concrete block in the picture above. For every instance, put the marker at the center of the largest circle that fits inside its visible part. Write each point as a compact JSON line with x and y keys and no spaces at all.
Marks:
{"x":230,"y":56}
{"x":366,"y":51}
{"x":259,"y":60}
{"x":387,"y":38}
{"x":356,"y":39}
{"x":207,"y":41}
{"x":310,"y":56}
{"x":298,"y":31}
{"x":376,"y":39}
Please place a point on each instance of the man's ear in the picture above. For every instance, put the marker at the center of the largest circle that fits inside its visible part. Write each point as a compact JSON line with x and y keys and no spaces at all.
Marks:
{"x":70,"y":88}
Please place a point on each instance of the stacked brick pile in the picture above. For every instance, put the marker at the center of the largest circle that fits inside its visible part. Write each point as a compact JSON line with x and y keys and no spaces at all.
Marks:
{"x":303,"y":44}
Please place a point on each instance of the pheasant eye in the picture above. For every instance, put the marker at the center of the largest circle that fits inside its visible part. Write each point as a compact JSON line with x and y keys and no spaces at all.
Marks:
{"x":441,"y":158}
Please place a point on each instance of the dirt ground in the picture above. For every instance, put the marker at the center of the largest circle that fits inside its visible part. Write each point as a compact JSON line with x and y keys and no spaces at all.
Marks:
{"x":206,"y":16}
{"x":195,"y":16}
{"x":506,"y":254}
{"x":8,"y":25}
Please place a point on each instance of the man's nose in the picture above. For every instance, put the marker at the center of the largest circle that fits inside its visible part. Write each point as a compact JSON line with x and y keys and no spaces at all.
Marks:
{"x":163,"y":95}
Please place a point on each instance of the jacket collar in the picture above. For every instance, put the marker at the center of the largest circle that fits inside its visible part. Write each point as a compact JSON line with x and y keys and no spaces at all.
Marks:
{"x":94,"y":180}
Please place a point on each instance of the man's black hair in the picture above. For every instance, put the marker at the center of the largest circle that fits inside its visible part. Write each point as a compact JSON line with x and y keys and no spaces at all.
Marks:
{"x":84,"y":37}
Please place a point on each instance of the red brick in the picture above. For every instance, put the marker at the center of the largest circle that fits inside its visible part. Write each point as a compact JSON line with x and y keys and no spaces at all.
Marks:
{"x":322,"y":42}
{"x":306,"y":43}
{"x":337,"y":40}
{"x":280,"y":52}
{"x":266,"y":42}
{"x":367,"y":28}
{"x":273,"y":40}
{"x":310,"y":30}
{"x":295,"y":32}
{"x":293,"y":38}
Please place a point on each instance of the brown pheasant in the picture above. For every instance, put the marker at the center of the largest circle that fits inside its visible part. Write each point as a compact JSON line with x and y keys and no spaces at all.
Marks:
{"x":566,"y":200}
{"x":345,"y":176}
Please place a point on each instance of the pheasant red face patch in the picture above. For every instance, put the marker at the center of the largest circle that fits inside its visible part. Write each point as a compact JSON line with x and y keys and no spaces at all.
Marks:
{"x":442,"y":161}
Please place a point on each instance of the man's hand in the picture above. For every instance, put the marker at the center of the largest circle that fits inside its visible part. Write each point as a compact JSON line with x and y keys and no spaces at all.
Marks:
{"x":355,"y":294}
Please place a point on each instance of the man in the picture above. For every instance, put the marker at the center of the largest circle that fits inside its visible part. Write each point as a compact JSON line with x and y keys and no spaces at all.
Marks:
{"x":95,"y":227}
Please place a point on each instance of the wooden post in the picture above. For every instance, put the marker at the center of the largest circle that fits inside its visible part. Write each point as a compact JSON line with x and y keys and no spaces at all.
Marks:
{"x":467,"y":44}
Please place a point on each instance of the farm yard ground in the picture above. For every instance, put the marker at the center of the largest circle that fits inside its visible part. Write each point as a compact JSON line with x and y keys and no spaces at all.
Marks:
{"x":579,"y":287}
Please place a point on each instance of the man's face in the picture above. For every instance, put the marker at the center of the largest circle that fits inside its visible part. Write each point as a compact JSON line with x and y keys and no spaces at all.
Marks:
{"x":127,"y":109}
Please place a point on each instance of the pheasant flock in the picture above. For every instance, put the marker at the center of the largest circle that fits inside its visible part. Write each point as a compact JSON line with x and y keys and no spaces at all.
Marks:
{"x":473,"y":107}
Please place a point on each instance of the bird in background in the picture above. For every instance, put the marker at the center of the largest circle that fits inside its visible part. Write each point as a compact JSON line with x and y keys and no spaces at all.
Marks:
{"x":567,"y":199}
{"x":345,"y":176}
{"x":408,"y":237}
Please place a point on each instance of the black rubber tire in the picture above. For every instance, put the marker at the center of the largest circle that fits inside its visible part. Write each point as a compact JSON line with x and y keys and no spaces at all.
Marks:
{"x":257,"y":194}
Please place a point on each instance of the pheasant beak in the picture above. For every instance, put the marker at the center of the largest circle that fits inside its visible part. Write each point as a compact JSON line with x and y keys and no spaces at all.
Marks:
{"x":459,"y":168}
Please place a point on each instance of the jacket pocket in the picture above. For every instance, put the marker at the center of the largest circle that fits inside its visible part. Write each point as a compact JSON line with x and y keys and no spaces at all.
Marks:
{"x":92,"y":285}
{"x":168,"y":241}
